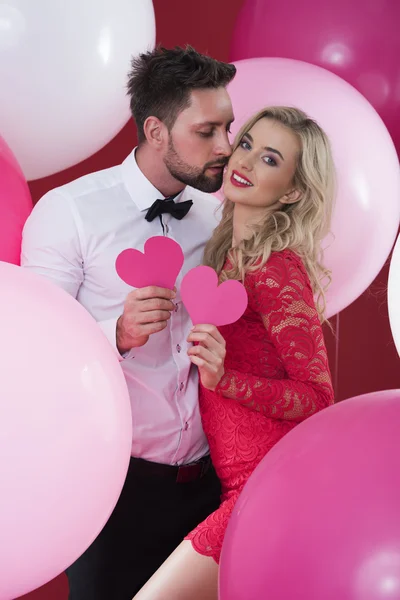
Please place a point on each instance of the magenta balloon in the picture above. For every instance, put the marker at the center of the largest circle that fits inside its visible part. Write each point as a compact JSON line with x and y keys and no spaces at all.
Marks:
{"x":319,"y":519}
{"x":15,"y":205}
{"x":358,"y":40}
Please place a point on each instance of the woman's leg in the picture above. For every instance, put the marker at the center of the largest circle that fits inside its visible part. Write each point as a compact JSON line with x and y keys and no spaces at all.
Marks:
{"x":185,"y":575}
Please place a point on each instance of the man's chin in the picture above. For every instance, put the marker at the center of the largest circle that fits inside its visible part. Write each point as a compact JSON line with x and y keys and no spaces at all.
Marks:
{"x":211,"y":184}
{"x":204,"y":183}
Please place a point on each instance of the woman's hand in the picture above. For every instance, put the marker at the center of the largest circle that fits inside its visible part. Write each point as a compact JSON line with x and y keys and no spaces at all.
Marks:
{"x":208,"y":354}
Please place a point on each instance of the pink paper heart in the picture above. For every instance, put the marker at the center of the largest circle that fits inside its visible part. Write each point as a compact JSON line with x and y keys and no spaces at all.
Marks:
{"x":158,"y":265}
{"x":210,"y":303}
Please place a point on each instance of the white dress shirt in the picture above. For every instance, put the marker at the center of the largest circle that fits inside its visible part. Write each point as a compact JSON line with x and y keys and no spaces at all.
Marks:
{"x":73,"y":237}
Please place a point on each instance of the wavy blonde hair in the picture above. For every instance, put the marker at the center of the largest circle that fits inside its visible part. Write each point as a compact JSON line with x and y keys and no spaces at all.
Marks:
{"x":300,"y":226}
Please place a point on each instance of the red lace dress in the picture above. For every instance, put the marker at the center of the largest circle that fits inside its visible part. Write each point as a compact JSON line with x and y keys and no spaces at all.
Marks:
{"x":276,"y":375}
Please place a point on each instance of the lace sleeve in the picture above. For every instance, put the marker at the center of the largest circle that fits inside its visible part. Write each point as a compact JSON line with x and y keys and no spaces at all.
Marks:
{"x":283,"y":297}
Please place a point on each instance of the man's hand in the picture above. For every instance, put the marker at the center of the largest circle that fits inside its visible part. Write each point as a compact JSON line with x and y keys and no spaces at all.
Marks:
{"x":146,"y":311}
{"x":208,"y":354}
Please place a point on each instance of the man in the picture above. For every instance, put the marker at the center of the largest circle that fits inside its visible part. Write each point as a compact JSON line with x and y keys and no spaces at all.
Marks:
{"x":183,"y":114}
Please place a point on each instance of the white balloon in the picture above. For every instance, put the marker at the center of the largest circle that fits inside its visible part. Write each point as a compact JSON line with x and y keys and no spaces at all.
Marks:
{"x":63,"y":75}
{"x":394,"y":294}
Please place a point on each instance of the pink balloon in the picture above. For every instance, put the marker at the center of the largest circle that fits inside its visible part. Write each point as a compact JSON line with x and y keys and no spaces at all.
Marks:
{"x":358,"y":40}
{"x":367,"y":212}
{"x":65,"y":431}
{"x":320,"y":516}
{"x":15,"y":205}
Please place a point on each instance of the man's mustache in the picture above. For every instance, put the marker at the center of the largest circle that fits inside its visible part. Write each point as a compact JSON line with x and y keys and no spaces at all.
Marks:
{"x":220,"y":163}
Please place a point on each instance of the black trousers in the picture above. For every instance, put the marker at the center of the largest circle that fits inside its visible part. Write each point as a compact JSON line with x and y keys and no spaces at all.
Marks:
{"x":152,"y":516}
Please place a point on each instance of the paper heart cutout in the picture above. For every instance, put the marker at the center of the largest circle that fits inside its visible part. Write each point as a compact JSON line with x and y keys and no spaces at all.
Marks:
{"x":158,"y":265}
{"x":210,"y":303}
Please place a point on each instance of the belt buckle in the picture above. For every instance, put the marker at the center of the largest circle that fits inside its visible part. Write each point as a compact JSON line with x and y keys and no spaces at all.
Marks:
{"x":193,"y":471}
{"x":188,"y":473}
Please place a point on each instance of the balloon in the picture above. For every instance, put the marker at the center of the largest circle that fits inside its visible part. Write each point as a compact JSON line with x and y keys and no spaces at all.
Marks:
{"x":367,"y":212}
{"x":319,"y":517}
{"x":65,"y":430}
{"x":394,"y":294}
{"x":15,"y":205}
{"x":63,"y":75}
{"x":359,"y":41}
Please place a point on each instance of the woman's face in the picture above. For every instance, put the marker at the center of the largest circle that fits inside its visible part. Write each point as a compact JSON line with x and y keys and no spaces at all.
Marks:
{"x":261,"y":170}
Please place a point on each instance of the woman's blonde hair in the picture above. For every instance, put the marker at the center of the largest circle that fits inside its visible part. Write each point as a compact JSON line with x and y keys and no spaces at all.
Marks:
{"x":300,"y":226}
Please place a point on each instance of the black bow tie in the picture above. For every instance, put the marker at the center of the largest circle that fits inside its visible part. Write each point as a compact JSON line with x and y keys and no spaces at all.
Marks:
{"x":160,"y":207}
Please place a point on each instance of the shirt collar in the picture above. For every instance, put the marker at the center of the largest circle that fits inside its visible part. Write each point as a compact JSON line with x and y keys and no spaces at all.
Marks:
{"x":140,"y":189}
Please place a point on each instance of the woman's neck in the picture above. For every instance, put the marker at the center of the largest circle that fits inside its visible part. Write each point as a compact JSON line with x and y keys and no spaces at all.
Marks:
{"x":244,"y":219}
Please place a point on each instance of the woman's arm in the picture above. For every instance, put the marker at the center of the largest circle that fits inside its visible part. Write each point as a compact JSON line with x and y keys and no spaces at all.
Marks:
{"x":283,"y":297}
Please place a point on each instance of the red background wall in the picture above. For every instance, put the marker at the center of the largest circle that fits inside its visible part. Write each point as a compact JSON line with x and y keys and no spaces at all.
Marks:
{"x":362,"y":354}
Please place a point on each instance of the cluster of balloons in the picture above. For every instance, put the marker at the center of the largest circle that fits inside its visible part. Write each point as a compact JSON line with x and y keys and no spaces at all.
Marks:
{"x":319,"y":518}
{"x":65,"y":417}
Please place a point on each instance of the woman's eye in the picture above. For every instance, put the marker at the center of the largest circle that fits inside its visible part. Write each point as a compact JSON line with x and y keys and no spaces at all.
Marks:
{"x":245,"y":145}
{"x":270,"y":161}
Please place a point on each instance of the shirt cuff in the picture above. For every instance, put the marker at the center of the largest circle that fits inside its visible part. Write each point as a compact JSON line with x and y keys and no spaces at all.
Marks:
{"x":109,"y":328}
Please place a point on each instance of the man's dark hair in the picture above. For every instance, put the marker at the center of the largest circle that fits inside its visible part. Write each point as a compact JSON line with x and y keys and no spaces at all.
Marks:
{"x":161,"y":81}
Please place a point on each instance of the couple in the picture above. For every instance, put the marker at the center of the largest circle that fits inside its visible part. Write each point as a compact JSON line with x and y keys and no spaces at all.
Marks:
{"x":258,"y":377}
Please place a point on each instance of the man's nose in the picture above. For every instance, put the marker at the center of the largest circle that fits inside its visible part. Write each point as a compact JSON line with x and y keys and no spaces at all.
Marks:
{"x":223,"y":146}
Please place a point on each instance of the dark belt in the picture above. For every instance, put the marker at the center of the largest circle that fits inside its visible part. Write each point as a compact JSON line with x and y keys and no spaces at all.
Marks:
{"x":179,"y":474}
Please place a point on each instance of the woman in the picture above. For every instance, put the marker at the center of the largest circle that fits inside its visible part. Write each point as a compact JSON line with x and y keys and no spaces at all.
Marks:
{"x":279,"y":195}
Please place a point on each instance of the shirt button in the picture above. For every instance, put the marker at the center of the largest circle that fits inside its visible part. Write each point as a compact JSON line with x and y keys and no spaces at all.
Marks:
{"x":186,"y":426}
{"x":181,"y":386}
{"x":178,"y":348}
{"x":176,"y":307}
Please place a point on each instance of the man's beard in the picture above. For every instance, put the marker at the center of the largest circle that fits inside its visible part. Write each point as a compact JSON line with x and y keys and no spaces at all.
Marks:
{"x":193,"y":176}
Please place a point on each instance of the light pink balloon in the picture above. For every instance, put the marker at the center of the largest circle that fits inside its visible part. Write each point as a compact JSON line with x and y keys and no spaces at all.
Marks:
{"x":367,"y":213}
{"x":65,"y":431}
{"x":319,"y":519}
{"x":15,"y":205}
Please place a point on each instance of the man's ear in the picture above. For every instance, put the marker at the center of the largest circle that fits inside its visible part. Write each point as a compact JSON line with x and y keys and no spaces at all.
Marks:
{"x":154,"y":131}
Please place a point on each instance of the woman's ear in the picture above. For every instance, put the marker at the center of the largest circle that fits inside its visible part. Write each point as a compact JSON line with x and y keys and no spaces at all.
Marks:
{"x":291,"y":197}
